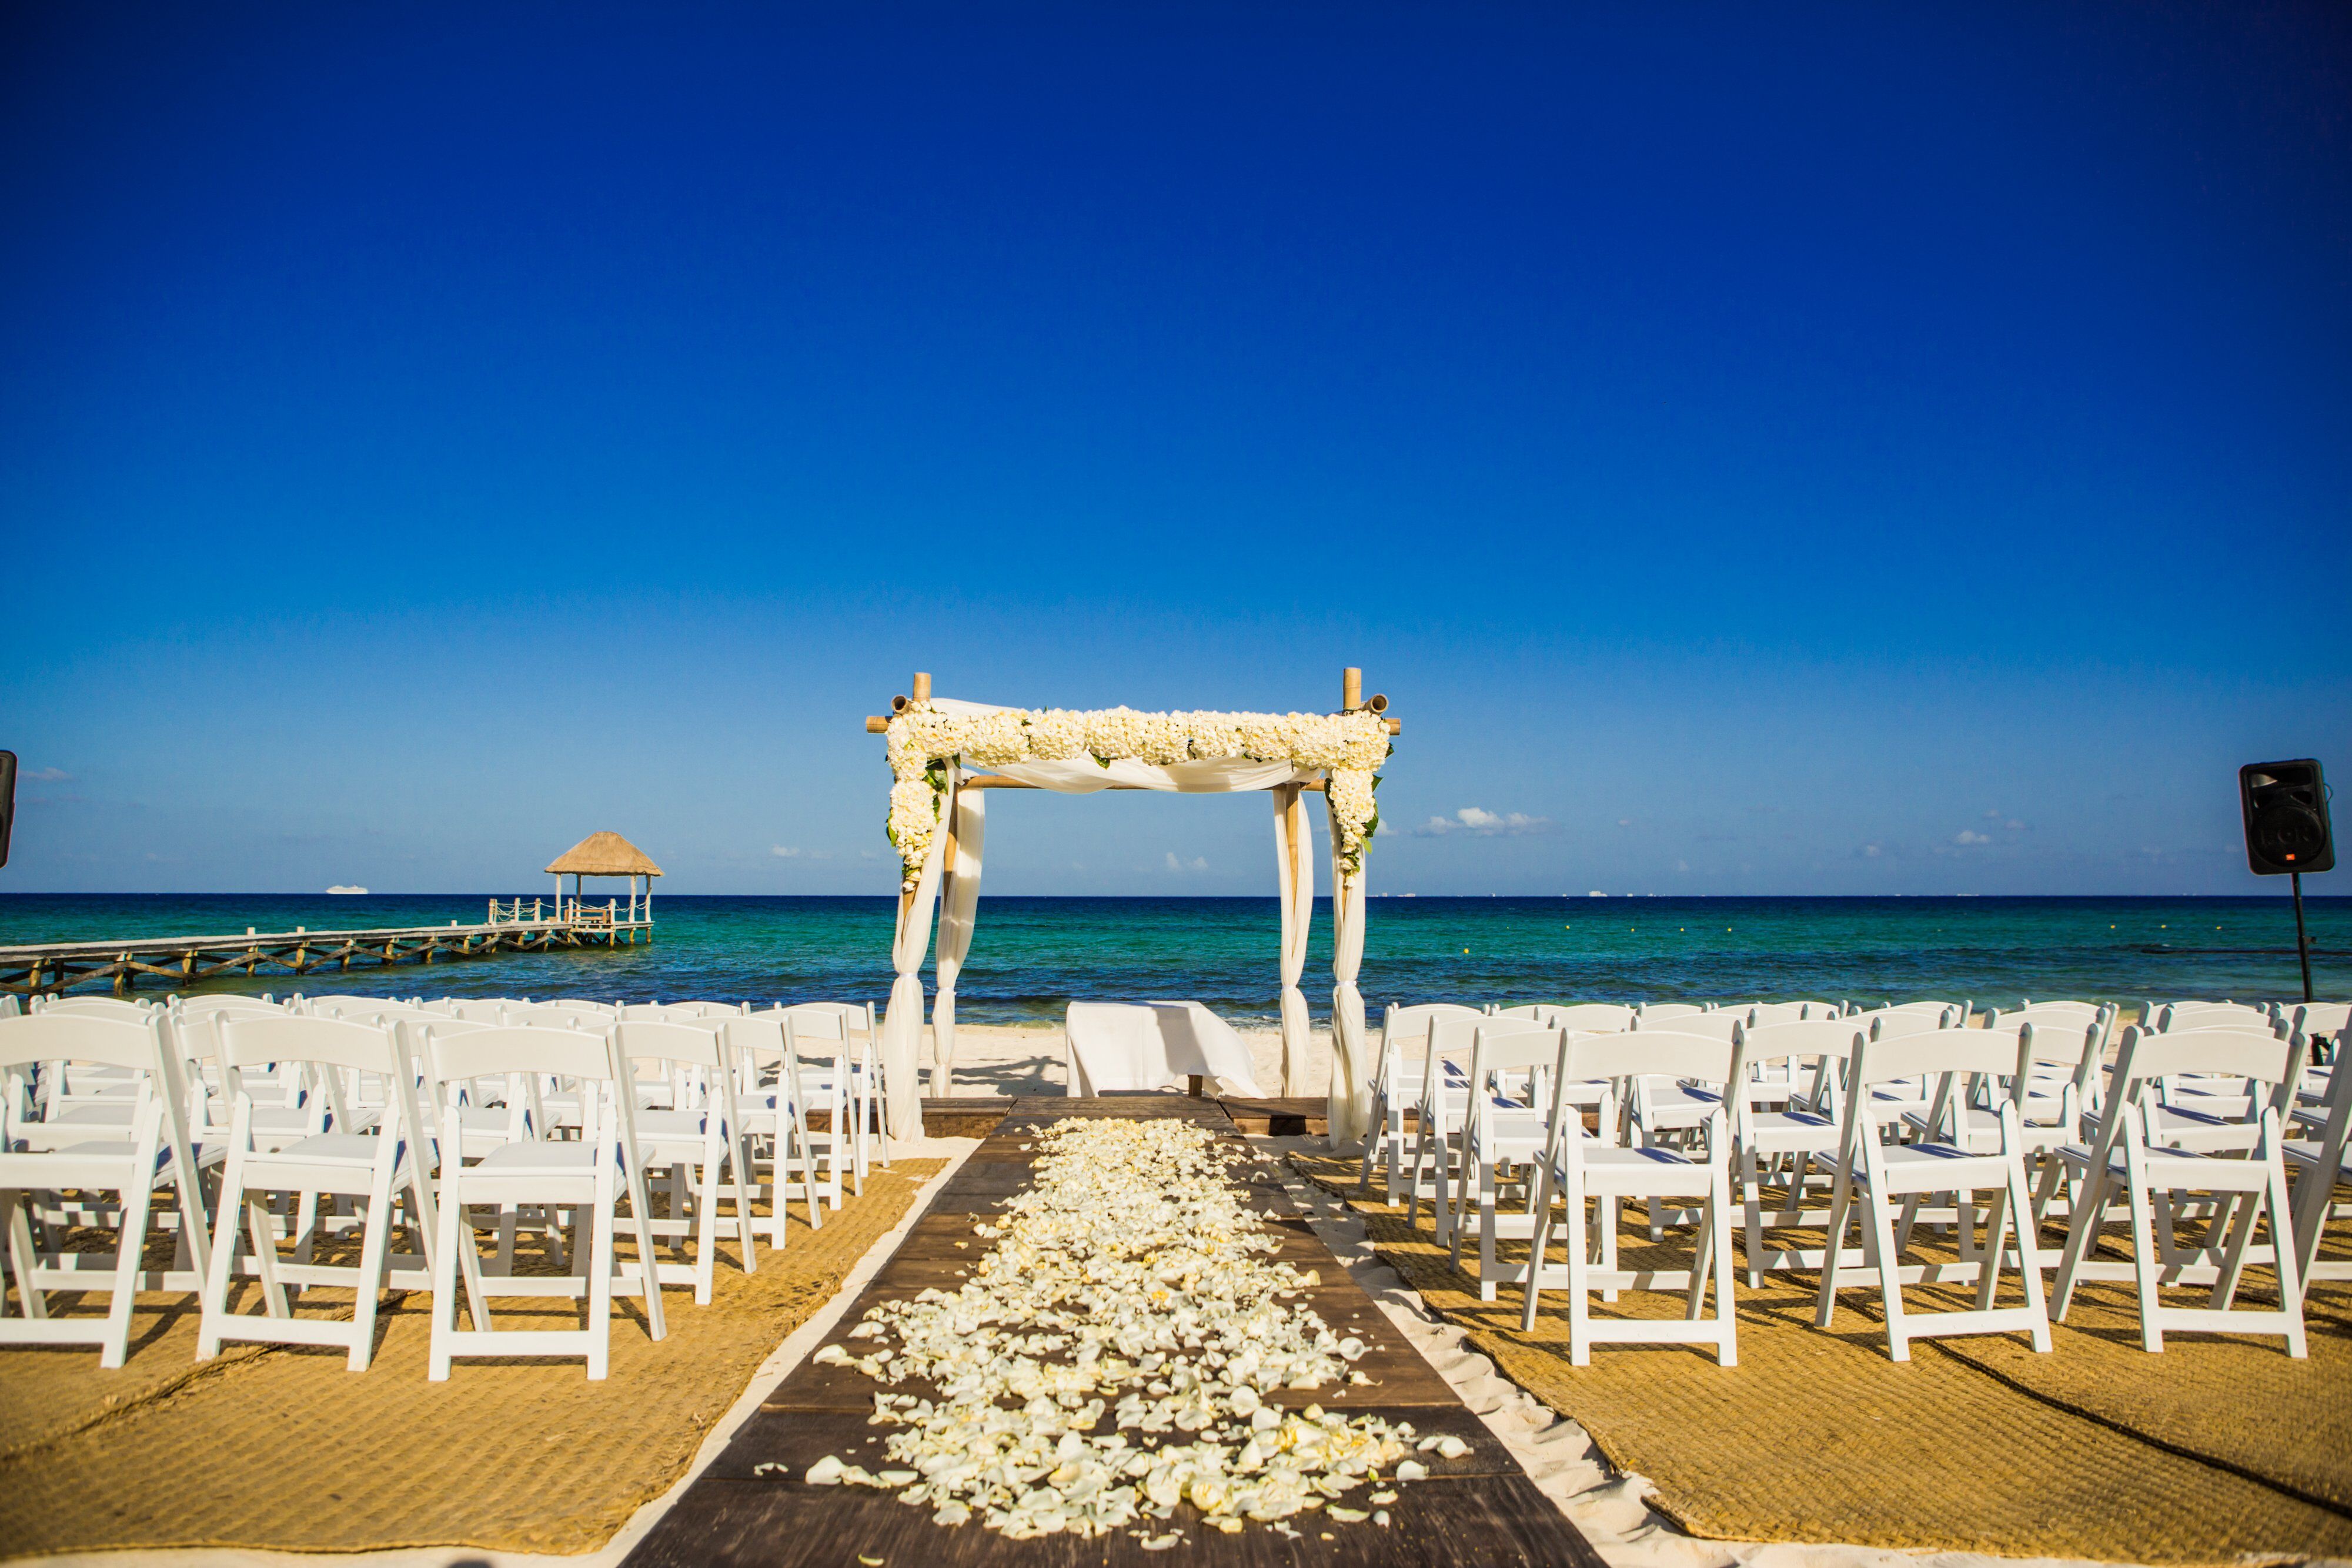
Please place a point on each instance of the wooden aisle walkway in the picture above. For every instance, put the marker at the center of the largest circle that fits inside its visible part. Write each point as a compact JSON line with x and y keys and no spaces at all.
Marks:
{"x":1479,"y":1509}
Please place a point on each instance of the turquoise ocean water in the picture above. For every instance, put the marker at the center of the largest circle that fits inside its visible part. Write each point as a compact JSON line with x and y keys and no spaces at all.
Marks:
{"x":1033,"y":956}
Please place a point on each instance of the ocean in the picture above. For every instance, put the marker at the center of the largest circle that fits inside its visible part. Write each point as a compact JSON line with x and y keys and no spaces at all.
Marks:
{"x":1033,"y":956}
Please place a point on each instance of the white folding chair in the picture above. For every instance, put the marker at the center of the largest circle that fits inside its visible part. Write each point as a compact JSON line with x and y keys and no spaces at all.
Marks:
{"x":41,"y":1164}
{"x":1805,"y":1132}
{"x":702,"y":1133}
{"x":387,"y":1168}
{"x":1874,"y":1175}
{"x":1504,"y":1134}
{"x":2317,"y":1164}
{"x":1396,"y":1086}
{"x":820,"y":1046}
{"x":870,"y":1103}
{"x":1587,"y":1017}
{"x":767,"y":1073}
{"x":2157,"y":1156}
{"x":1656,"y":1013}
{"x":1599,"y":1170}
{"x":1440,"y":1111}
{"x":591,"y":1173}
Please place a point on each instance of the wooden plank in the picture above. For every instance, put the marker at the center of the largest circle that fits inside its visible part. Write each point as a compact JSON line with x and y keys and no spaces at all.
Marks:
{"x":1474,"y":1522}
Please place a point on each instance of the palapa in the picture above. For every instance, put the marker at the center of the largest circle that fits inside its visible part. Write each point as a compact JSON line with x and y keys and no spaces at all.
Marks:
{"x":604,"y":854}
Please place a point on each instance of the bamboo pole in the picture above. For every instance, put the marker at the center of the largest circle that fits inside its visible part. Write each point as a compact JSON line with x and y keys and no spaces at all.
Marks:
{"x":1351,"y":689}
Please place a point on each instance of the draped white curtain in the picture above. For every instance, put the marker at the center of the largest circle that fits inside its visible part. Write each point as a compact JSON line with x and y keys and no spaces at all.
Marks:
{"x":959,"y":902}
{"x":1295,"y":870}
{"x":1349,"y":1103}
{"x":902,"y":1022}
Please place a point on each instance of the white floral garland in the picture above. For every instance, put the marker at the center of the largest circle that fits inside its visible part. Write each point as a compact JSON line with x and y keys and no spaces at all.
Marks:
{"x":1347,"y":747}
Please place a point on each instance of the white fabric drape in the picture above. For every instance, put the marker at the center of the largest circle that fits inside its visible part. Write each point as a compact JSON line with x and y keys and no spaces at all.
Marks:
{"x":959,"y":902}
{"x":1349,"y":1103}
{"x":902,"y":1022}
{"x":1293,"y":857}
{"x":1084,"y":775}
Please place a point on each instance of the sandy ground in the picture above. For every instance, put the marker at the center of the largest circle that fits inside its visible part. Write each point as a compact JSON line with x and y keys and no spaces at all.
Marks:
{"x":1008,"y":1059}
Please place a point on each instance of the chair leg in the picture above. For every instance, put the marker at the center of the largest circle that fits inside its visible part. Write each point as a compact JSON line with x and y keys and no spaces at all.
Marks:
{"x":445,"y":1277}
{"x":1880,"y":1235}
{"x":2029,"y":1255}
{"x":1752,"y":1200}
{"x":2086,"y":1213}
{"x":1825,"y":1298}
{"x":1726,"y":1316}
{"x":2143,"y":1265}
{"x":1536,"y":1247}
{"x":22,"y":1257}
{"x":374,"y":1242}
{"x":136,"y":1200}
{"x":1579,"y":1282}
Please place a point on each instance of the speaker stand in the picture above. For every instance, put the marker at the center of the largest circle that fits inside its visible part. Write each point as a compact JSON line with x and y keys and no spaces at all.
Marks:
{"x":2302,"y":942}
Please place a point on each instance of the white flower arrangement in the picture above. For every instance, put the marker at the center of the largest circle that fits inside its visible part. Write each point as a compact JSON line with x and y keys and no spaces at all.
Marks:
{"x":1349,"y":747}
{"x":1121,"y":1350}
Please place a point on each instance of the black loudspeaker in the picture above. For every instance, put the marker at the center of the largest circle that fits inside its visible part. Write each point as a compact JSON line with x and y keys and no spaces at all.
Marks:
{"x":2287,"y":818}
{"x":7,"y":800}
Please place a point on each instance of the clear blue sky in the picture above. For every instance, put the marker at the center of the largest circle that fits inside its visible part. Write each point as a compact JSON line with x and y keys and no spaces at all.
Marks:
{"x":1759,"y":449}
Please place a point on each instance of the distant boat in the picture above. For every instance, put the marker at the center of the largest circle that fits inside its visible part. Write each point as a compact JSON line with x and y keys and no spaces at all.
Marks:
{"x":345,"y":887}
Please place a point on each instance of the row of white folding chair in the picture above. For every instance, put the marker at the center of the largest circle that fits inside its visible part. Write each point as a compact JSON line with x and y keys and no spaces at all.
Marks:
{"x":42,"y":1161}
{"x":320,"y":1146}
{"x":1695,"y":1175}
{"x":1499,"y":1131}
{"x":2318,"y":1162}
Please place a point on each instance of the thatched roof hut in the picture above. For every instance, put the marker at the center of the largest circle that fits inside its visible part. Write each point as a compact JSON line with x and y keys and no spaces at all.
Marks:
{"x":604,"y":854}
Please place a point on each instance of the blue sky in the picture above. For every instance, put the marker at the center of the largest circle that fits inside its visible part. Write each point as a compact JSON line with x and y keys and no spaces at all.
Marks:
{"x":1758,"y":450}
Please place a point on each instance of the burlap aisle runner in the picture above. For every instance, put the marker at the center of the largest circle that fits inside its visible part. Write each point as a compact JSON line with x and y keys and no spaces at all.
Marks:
{"x":2216,"y":1449}
{"x":286,"y":1449}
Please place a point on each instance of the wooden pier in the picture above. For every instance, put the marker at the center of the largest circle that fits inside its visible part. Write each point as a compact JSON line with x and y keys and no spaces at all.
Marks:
{"x":179,"y":961}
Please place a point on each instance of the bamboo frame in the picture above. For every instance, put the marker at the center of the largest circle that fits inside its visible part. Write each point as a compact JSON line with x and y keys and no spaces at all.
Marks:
{"x":1352,"y":697}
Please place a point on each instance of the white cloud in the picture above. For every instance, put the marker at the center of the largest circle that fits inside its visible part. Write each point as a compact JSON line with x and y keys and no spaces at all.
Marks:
{"x":1198,"y":862}
{"x":1970,"y":836}
{"x":785,"y":851}
{"x":1871,"y":851}
{"x":1480,"y":823}
{"x":1993,"y":816}
{"x":1625,"y":821}
{"x":45,"y":775}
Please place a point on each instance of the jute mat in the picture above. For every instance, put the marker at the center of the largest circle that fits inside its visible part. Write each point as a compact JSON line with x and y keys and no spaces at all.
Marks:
{"x":2218,"y":1450}
{"x":286,"y":1449}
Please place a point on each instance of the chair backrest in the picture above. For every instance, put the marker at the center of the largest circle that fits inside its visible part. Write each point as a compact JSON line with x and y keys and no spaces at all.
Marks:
{"x":759,"y":1037}
{"x":1765,"y":1014}
{"x":217,"y":1006}
{"x":334,"y":1043}
{"x":1653,"y":1012}
{"x":2253,"y":1053}
{"x":558,"y":1014}
{"x":1943,"y":1050}
{"x":1595,"y":1018}
{"x":1526,"y":1011}
{"x":489,"y":1011}
{"x":1801,"y":1037}
{"x":2062,"y":1041}
{"x":670,"y":1039}
{"x":454,"y":1053}
{"x":1668,"y":1053}
{"x":610,"y":1009}
{"x":1896,"y":1023}
{"x":2179,"y":1016}
{"x":1512,"y":1045}
{"x":96,"y":1006}
{"x":2330,"y":1019}
{"x":814,"y":1026}
{"x":1714,"y":1026}
{"x":711,"y":1009}
{"x":53,"y":1036}
{"x":857,"y":1016}
{"x":1402,"y":1024}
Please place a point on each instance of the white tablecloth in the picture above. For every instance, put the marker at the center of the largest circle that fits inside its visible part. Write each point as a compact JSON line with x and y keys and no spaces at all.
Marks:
{"x":1149,"y":1045}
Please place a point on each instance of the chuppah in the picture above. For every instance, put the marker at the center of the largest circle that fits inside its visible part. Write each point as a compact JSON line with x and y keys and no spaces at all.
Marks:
{"x":948,"y":755}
